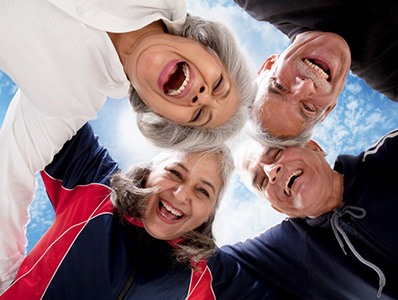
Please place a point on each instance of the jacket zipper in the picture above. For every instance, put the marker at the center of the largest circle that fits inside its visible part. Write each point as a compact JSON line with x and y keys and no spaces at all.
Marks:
{"x":126,"y":286}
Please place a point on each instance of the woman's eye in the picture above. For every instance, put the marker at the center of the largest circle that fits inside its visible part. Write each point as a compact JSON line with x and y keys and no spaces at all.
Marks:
{"x":175,"y":174}
{"x":219,"y":83}
{"x":198,"y":115}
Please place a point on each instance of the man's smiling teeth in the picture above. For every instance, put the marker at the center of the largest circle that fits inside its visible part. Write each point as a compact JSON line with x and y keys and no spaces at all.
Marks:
{"x":313,"y":66}
{"x":289,"y":181}
{"x":171,"y":210}
{"x":187,"y":74}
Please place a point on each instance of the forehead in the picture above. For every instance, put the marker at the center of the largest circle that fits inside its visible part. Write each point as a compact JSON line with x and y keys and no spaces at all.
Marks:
{"x":200,"y":164}
{"x":256,"y":153}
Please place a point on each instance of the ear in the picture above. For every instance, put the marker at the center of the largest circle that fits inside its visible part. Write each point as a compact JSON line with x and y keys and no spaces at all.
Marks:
{"x":312,"y":145}
{"x":328,"y":110}
{"x":268,"y":63}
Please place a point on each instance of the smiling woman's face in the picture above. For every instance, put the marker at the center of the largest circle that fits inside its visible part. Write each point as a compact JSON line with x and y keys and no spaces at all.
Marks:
{"x":182,"y":81}
{"x":296,"y":181}
{"x":189,"y":188}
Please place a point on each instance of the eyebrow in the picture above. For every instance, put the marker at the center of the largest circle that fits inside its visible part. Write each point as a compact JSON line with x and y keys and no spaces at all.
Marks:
{"x":208,"y":183}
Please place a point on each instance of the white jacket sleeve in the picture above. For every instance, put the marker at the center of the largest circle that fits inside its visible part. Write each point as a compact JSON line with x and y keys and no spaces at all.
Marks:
{"x":29,"y":140}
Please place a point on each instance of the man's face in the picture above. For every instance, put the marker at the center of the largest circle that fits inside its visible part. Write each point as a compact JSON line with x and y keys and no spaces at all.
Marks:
{"x":301,"y":86}
{"x":296,"y":181}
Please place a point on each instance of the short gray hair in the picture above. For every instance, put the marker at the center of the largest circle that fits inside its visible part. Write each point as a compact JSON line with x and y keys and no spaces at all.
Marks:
{"x":167,"y":134}
{"x":262,"y":136}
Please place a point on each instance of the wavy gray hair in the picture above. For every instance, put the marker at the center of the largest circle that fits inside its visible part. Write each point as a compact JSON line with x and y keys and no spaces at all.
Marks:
{"x":129,"y":194}
{"x":167,"y":134}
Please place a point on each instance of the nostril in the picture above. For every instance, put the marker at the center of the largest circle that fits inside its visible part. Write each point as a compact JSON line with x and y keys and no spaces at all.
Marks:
{"x":195,"y":99}
{"x":278,"y":169}
{"x":202,"y":89}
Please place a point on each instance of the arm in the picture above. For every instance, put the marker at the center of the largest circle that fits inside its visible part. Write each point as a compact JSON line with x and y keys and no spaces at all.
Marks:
{"x":231,"y":280}
{"x":28,"y":142}
{"x":276,"y":257}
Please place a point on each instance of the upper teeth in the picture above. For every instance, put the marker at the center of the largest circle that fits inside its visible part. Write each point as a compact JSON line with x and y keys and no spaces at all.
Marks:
{"x":172,"y":210}
{"x":295,"y":173}
{"x":187,"y":74}
{"x":321,"y":72}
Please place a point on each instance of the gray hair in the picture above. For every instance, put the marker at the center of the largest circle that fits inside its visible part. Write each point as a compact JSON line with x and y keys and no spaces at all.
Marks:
{"x":129,"y":194}
{"x":167,"y":134}
{"x":262,"y":136}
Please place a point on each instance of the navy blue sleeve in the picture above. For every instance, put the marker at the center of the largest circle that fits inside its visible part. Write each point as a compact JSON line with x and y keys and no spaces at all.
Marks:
{"x":82,"y":160}
{"x":277,"y":256}
{"x":232,"y":281}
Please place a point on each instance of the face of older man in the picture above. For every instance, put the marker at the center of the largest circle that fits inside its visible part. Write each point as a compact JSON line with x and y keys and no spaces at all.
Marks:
{"x":300,"y":87}
{"x":297,"y":181}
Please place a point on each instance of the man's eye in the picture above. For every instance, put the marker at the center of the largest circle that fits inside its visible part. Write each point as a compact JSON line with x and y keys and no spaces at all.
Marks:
{"x":263,"y":183}
{"x":278,"y":85}
{"x":277,"y":154}
{"x":308,"y":107}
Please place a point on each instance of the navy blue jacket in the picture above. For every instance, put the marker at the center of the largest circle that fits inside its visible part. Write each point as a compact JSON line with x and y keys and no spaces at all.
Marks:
{"x":88,"y":253}
{"x":369,"y":27}
{"x":303,"y":255}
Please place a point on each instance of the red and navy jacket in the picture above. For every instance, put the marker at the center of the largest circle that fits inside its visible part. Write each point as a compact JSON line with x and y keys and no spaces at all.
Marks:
{"x":88,"y":253}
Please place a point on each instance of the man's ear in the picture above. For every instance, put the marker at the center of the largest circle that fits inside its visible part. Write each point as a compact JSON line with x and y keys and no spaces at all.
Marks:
{"x":268,"y":63}
{"x":314,"y":146}
{"x":328,"y":110}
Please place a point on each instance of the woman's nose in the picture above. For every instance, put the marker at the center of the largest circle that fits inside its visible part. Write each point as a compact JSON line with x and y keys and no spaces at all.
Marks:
{"x":272,"y":171}
{"x":180,"y":193}
{"x":200,"y":97}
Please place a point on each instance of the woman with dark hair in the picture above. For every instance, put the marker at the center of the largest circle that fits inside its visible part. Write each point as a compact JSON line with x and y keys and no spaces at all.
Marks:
{"x":142,"y":234}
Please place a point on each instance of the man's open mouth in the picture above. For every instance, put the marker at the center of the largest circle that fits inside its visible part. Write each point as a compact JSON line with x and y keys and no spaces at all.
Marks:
{"x":178,"y":79}
{"x":290,"y":180}
{"x":319,"y":67}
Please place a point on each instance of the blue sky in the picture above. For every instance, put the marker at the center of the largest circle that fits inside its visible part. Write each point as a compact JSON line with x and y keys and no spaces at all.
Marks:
{"x":360,"y":118}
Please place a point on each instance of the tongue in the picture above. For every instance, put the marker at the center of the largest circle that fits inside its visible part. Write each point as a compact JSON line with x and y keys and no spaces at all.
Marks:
{"x":167,"y":214}
{"x":175,"y":79}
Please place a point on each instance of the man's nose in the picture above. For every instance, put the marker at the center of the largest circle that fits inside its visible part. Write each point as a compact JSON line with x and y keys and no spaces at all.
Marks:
{"x":272,"y":171}
{"x":302,"y":88}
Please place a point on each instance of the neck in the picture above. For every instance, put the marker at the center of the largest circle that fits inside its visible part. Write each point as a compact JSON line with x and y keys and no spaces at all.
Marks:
{"x":338,"y":188}
{"x":125,"y":42}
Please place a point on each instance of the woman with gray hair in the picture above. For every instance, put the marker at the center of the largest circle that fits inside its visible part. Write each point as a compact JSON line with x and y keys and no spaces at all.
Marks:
{"x":187,"y":76}
{"x":67,"y":56}
{"x":142,"y":234}
{"x":164,"y":132}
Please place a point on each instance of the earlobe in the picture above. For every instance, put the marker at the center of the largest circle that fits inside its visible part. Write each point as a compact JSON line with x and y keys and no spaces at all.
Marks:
{"x":268,"y":63}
